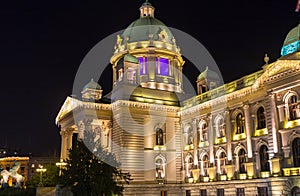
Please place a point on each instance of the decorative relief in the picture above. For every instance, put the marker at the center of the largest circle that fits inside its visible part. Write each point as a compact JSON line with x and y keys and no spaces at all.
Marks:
{"x":131,"y":104}
{"x":163,"y":35}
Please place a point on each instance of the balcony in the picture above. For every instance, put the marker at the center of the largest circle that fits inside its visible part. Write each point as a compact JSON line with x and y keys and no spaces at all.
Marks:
{"x":292,"y":123}
{"x":220,"y":140}
{"x":239,"y":136}
{"x":261,"y":132}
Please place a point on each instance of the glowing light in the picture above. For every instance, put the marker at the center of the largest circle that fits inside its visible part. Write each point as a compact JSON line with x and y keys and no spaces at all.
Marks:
{"x":239,"y":136}
{"x":261,"y":132}
{"x":291,"y":48}
{"x":292,"y":124}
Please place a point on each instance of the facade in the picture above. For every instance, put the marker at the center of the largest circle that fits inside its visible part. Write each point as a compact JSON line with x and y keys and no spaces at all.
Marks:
{"x":239,"y":138}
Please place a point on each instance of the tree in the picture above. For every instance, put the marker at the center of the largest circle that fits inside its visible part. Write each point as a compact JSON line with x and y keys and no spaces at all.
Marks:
{"x":91,"y":170}
{"x":50,"y":177}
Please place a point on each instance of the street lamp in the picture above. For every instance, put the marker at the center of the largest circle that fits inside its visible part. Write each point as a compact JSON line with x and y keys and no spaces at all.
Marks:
{"x":60,"y":164}
{"x":41,"y":170}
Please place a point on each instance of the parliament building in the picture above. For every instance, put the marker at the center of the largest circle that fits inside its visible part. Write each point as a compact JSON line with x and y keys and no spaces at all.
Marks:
{"x":239,"y":138}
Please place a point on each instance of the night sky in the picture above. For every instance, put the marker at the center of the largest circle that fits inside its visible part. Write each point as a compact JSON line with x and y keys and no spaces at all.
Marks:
{"x":44,"y":42}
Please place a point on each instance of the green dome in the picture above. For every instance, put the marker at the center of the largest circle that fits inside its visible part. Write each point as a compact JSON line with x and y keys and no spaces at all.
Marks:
{"x":147,"y":28}
{"x":291,"y":42}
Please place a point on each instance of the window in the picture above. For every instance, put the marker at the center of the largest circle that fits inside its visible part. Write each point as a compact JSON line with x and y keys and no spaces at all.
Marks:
{"x":162,"y":66}
{"x":242,"y":160}
{"x":296,"y":152}
{"x":203,"y":132}
{"x":220,"y":192}
{"x":188,"y":192}
{"x":222,"y":163}
{"x":262,"y":191}
{"x":160,"y":168}
{"x":264,"y":158}
{"x":205,"y":164}
{"x":120,"y":74}
{"x":261,"y":119}
{"x":143,"y":61}
{"x":293,"y":108}
{"x":189,"y":136}
{"x":220,"y":127}
{"x":189,"y":166}
{"x":203,"y":192}
{"x":159,"y":136}
{"x":239,"y":124}
{"x":240,"y":192}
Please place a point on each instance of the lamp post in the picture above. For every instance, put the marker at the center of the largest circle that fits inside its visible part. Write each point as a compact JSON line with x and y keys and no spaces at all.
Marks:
{"x":60,"y":164}
{"x":41,"y":170}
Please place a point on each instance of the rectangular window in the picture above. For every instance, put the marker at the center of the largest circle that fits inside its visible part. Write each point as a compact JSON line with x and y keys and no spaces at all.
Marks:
{"x":188,"y":192}
{"x":143,"y":65}
{"x":220,"y":192}
{"x":164,"y":66}
{"x":262,"y":191}
{"x":203,"y":192}
{"x":240,"y":192}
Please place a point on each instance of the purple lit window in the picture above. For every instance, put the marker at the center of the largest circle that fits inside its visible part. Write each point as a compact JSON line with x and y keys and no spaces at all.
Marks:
{"x":164,"y":66}
{"x":143,"y":65}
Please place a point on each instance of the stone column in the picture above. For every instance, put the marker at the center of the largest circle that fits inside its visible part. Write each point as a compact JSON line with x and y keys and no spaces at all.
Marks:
{"x":228,"y":135}
{"x":248,"y":129}
{"x":211,"y":139}
{"x":195,"y":142}
{"x":281,"y":113}
{"x":273,"y":123}
{"x":63,"y":152}
{"x":69,"y":133}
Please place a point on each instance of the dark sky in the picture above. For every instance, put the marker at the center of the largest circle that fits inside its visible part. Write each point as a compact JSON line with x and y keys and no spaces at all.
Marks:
{"x":44,"y":42}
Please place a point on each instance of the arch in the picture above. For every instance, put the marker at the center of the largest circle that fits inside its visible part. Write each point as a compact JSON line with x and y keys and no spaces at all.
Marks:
{"x":203,"y":129}
{"x":160,"y":163}
{"x":260,"y":118}
{"x":238,"y":148}
{"x":239,"y":123}
{"x":264,"y":158}
{"x":188,"y":134}
{"x":159,"y":137}
{"x":219,"y":151}
{"x":292,"y":107}
{"x":220,"y":126}
{"x":241,"y":159}
{"x":189,"y":164}
{"x":221,"y":161}
{"x":295,"y":191}
{"x":296,"y":151}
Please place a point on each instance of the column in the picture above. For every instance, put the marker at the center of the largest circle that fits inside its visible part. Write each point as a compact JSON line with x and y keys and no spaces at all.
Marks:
{"x":63,"y":149}
{"x":195,"y":142}
{"x":69,"y":133}
{"x":273,"y":122}
{"x":228,"y":135}
{"x":281,"y":113}
{"x":211,"y":139}
{"x":248,"y":129}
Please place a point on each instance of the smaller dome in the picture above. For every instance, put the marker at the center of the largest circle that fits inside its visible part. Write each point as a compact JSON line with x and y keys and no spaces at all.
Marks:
{"x":291,"y":42}
{"x":92,"y":85}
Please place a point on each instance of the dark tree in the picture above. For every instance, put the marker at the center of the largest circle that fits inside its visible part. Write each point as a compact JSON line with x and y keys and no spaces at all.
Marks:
{"x":91,"y":170}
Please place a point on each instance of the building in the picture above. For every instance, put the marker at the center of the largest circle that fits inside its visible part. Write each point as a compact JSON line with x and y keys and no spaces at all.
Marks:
{"x":8,"y":163}
{"x":239,"y":138}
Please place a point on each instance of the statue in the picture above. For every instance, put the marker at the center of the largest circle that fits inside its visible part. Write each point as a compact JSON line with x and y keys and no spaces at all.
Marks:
{"x":13,"y":174}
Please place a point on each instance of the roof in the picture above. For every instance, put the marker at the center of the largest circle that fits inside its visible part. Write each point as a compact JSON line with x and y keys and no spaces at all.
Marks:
{"x":291,"y":42}
{"x":92,"y":85}
{"x":129,"y":58}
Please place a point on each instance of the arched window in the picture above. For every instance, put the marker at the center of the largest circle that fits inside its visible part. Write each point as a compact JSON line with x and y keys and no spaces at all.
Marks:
{"x":205,"y":164}
{"x":261,"y":119}
{"x":159,"y":136}
{"x":264,"y":158}
{"x":160,"y":168}
{"x":203,"y":132}
{"x":293,"y":108}
{"x":189,"y":166}
{"x":222,"y":163}
{"x":189,"y":135}
{"x":240,"y":128}
{"x":296,"y":152}
{"x":220,"y":127}
{"x":242,"y":160}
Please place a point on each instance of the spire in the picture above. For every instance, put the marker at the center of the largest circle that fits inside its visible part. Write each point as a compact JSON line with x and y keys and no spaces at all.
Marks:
{"x":147,"y":10}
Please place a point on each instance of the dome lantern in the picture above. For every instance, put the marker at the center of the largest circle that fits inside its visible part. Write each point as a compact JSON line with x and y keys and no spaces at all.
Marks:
{"x":147,"y":10}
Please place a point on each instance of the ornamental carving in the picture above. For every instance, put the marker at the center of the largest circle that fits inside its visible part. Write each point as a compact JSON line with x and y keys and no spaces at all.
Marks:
{"x":163,"y":35}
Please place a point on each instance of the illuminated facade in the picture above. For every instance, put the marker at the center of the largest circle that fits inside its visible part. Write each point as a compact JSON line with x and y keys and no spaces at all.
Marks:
{"x":240,"y":138}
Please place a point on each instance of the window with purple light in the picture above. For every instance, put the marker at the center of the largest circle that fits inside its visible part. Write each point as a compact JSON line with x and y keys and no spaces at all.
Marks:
{"x":143,"y":65}
{"x":163,"y":66}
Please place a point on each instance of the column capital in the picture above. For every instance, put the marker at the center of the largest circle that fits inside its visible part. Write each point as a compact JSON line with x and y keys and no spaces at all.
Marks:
{"x":64,"y":133}
{"x":246,"y":106}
